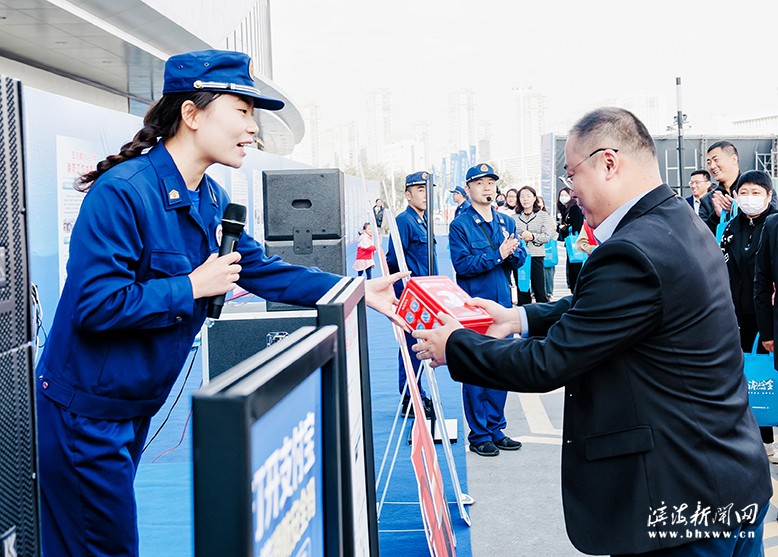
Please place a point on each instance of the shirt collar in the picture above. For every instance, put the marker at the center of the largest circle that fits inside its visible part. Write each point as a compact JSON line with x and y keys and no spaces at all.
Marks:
{"x":606,"y":228}
{"x":175,"y":190}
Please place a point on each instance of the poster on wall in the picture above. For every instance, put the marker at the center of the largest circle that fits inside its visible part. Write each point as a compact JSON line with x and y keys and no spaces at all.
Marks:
{"x":74,"y":157}
{"x":240,"y":187}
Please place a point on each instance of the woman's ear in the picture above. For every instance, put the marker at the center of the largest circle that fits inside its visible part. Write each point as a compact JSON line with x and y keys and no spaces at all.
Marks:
{"x":189,"y":114}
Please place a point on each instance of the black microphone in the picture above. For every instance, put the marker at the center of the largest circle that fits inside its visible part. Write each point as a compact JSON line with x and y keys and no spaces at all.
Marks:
{"x":233,"y":221}
{"x":489,"y":198}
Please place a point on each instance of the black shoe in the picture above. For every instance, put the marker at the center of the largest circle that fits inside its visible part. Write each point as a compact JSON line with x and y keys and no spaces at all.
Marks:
{"x":507,"y":444}
{"x":487,"y":448}
{"x":429,"y":409}
{"x":406,"y":403}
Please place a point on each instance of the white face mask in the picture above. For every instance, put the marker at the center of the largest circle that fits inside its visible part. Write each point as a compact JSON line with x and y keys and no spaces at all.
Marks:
{"x":752,"y":205}
{"x":564,"y":198}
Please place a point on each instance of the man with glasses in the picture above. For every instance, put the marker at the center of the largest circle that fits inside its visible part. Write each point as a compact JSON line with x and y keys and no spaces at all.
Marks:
{"x":660,"y":451}
{"x":699,"y":200}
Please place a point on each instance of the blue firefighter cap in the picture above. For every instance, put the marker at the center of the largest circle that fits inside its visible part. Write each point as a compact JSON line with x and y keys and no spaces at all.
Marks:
{"x":479,"y":171}
{"x":218,"y":71}
{"x":417,"y":179}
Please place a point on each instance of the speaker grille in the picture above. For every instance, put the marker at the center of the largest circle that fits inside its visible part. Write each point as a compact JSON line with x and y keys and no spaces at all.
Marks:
{"x":18,"y":456}
{"x":18,"y":484}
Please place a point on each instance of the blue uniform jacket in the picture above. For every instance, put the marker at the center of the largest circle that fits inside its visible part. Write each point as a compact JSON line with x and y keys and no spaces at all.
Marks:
{"x":462,"y":207}
{"x":413,"y":235}
{"x":126,"y":319}
{"x":475,"y":254}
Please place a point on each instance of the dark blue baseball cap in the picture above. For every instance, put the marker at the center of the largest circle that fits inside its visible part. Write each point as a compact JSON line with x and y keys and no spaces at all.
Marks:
{"x":218,"y":71}
{"x":459,"y":190}
{"x":479,"y":171}
{"x":417,"y":179}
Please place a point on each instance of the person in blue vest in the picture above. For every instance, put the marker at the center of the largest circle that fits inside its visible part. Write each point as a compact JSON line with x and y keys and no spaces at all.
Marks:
{"x":412,"y":226}
{"x":460,"y":198}
{"x":143,"y":264}
{"x":484,"y":251}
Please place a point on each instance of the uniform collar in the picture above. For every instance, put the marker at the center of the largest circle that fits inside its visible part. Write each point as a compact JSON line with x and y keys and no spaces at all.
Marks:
{"x":174,"y":191}
{"x":478,"y":219}
{"x":416,"y":217}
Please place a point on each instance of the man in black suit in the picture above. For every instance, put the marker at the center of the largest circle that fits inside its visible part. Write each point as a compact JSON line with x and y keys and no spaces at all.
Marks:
{"x":657,"y":430}
{"x":699,"y":200}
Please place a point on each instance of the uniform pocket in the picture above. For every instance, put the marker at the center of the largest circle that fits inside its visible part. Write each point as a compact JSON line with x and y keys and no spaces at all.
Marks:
{"x":638,"y":439}
{"x":169,"y":263}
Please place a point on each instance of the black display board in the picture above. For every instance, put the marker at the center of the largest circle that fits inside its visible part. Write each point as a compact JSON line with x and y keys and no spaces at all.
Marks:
{"x":267,"y":455}
{"x":344,"y":306}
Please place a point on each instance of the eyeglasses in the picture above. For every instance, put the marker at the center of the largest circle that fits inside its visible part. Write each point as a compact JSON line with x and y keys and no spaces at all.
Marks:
{"x":568,"y":180}
{"x":694,"y":182}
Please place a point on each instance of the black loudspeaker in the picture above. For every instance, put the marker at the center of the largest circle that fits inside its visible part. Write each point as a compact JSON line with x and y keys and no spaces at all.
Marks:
{"x":235,"y":337}
{"x":304,"y":200}
{"x":19,"y":531}
{"x":305,"y":219}
{"x":327,"y":255}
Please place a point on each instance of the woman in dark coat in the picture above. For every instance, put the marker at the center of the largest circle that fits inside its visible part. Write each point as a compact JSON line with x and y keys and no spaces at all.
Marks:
{"x":569,"y":221}
{"x":739,"y":244}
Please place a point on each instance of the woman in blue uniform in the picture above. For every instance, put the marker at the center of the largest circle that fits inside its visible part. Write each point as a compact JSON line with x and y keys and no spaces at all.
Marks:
{"x":143,"y":263}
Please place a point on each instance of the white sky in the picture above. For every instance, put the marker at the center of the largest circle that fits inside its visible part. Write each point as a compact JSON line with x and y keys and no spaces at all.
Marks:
{"x":580,"y":54}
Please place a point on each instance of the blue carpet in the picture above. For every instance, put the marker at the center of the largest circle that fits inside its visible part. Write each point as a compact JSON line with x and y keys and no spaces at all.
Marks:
{"x":164,"y":482}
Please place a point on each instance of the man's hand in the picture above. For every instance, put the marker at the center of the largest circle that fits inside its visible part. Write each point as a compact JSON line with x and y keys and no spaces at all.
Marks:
{"x":769,"y":345}
{"x":379,"y":295}
{"x":508,"y":246}
{"x":506,"y":321}
{"x":721,"y":202}
{"x":434,"y":346}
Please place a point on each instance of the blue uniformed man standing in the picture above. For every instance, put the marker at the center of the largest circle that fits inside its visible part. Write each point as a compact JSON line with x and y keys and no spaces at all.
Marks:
{"x":484,"y":250}
{"x":412,"y":226}
{"x":460,"y":198}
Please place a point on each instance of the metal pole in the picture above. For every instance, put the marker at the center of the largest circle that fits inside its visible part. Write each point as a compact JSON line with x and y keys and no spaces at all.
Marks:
{"x":681,"y":179}
{"x":430,"y":225}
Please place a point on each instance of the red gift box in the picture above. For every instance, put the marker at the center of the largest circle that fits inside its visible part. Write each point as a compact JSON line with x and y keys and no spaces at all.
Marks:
{"x":424,"y":297}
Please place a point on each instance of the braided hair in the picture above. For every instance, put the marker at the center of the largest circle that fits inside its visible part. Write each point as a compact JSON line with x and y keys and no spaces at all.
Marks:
{"x":160,"y":123}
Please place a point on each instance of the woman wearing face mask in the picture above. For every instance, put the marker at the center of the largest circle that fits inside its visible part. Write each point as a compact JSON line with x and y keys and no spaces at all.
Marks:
{"x":739,"y":244}
{"x":569,"y":221}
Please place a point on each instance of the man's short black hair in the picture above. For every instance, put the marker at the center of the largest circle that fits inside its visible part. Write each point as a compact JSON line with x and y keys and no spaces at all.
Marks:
{"x":703,"y":173}
{"x":725,"y":146}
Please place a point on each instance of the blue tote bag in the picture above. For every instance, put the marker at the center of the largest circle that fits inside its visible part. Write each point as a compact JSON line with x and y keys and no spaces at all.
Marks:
{"x":523,"y":274}
{"x":574,"y":255}
{"x":552,"y":254}
{"x":724,"y":221}
{"x":762,"y":385}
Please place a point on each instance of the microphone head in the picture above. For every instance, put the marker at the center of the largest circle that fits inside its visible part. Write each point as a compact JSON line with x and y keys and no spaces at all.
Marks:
{"x":235,"y":212}
{"x":489,"y":198}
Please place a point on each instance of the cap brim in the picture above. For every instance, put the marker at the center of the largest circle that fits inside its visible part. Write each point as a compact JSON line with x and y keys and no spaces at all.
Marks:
{"x":260,"y":100}
{"x":267,"y":103}
{"x":478,"y":177}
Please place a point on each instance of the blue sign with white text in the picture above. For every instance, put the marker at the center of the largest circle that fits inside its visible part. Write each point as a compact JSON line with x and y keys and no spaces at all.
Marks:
{"x":287,"y":482}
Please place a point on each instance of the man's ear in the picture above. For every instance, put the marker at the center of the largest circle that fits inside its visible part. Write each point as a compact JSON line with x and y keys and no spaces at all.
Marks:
{"x":612,"y":161}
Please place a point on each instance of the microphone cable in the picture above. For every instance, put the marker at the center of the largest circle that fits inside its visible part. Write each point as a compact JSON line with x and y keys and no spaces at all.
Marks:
{"x":175,"y":402}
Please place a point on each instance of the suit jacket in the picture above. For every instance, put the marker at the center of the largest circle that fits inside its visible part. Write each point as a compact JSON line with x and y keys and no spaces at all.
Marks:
{"x":656,"y":407}
{"x":706,"y":205}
